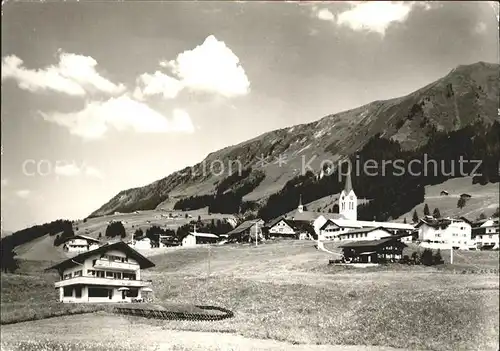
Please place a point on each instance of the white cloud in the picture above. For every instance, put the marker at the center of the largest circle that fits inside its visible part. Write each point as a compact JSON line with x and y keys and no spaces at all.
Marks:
{"x":325,"y":15}
{"x":74,"y":75}
{"x":375,"y":16}
{"x":157,"y":84}
{"x":211,"y":67}
{"x":122,"y":113}
{"x":23,"y":194}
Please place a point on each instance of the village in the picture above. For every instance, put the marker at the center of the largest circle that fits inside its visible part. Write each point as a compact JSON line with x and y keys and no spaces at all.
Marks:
{"x":109,"y":271}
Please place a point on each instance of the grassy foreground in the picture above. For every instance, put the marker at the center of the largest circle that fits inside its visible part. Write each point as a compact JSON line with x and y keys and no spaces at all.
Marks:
{"x":285,"y":291}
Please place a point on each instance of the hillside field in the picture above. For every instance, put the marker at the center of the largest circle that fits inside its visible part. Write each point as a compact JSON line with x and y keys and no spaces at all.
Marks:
{"x":484,"y":199}
{"x":285,"y":291}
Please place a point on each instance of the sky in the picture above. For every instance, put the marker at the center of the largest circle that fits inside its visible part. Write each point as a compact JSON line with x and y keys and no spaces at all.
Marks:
{"x":99,"y":97}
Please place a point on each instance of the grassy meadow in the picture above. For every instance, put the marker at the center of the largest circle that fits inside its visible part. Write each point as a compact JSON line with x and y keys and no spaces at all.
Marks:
{"x":285,"y":291}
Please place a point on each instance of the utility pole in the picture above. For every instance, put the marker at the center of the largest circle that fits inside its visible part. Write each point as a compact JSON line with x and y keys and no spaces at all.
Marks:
{"x":451,"y":254}
{"x":208,"y":260}
{"x":256,"y":233}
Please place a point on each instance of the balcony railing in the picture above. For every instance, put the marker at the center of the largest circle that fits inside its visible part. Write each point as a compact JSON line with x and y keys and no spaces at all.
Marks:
{"x":124,"y":266}
{"x":88,"y":280}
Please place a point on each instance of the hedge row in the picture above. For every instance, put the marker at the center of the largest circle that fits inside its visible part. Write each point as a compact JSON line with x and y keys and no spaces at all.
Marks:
{"x":177,"y":315}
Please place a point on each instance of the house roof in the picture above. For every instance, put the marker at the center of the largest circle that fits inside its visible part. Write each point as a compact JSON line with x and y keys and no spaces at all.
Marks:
{"x":341,"y":223}
{"x":388,"y":225}
{"x":441,"y":222}
{"x":78,"y":236}
{"x":203,"y":235}
{"x":120,"y":246}
{"x":367,"y":224}
{"x":244,"y":226}
{"x":274,"y":221}
{"x":371,"y":243}
{"x":303,"y":216}
{"x":364,"y":230}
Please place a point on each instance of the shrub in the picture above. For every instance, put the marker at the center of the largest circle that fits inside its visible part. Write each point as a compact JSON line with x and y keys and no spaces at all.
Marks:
{"x":415,"y":259}
{"x":427,"y":257}
{"x":438,"y":259}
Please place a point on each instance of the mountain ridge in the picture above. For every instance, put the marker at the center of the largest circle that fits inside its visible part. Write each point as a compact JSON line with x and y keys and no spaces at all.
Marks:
{"x":468,"y":93}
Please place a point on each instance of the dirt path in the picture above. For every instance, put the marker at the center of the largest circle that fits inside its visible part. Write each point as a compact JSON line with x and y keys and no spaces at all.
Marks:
{"x":104,"y":331}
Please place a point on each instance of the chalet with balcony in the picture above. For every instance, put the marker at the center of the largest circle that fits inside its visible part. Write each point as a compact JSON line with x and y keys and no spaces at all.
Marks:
{"x":110,"y":273}
{"x":485,"y":233}
{"x":80,"y":243}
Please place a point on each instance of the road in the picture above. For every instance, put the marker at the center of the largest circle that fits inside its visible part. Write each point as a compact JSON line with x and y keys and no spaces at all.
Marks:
{"x":112,"y":332}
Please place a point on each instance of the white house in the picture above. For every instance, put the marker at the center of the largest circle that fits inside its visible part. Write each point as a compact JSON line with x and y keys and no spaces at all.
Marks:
{"x":110,"y":273}
{"x":445,"y":233}
{"x":80,"y":243}
{"x":486,"y":234}
{"x":332,"y":228}
{"x":364,"y":234}
{"x":335,"y":227}
{"x":281,"y":227}
{"x":194,"y":238}
{"x":142,"y":244}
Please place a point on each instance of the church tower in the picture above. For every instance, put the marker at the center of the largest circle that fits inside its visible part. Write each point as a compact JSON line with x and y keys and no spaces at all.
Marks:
{"x":300,"y":208}
{"x":348,"y":202}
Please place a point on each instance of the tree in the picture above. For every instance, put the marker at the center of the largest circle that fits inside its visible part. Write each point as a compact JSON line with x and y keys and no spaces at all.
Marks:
{"x":7,"y":256}
{"x":438,"y":259}
{"x":461,"y":203}
{"x":481,"y":216}
{"x":496,"y":213}
{"x":100,"y":235}
{"x":426,"y":210}
{"x":85,"y":220}
{"x":186,"y":215}
{"x":404,"y":221}
{"x":123,"y":235}
{"x":427,"y":257}
{"x":115,"y":229}
{"x":414,"y":257}
{"x":436,"y":213}
{"x":415,"y":217}
{"x":138,"y":233}
{"x":199,"y":218}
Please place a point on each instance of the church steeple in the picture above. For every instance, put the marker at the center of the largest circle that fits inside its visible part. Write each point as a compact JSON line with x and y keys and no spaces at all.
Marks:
{"x":348,"y":202}
{"x":348,"y":183}
{"x":300,"y":208}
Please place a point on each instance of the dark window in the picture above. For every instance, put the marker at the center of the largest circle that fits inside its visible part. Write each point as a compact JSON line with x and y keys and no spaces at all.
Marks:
{"x":68,"y":291}
{"x":133,"y":292}
{"x":78,"y":292}
{"x":98,"y":292}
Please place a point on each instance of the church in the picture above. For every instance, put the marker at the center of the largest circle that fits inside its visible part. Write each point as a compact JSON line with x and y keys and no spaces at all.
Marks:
{"x":328,"y":226}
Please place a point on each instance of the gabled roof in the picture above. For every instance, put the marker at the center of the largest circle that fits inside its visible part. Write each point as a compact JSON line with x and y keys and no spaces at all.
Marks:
{"x":341,"y":223}
{"x":244,"y":226}
{"x":364,"y":230}
{"x":371,"y":243}
{"x":120,"y":246}
{"x":88,"y":238}
{"x":275,"y":221}
{"x":203,"y":235}
{"x":303,"y":216}
{"x":441,"y":222}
